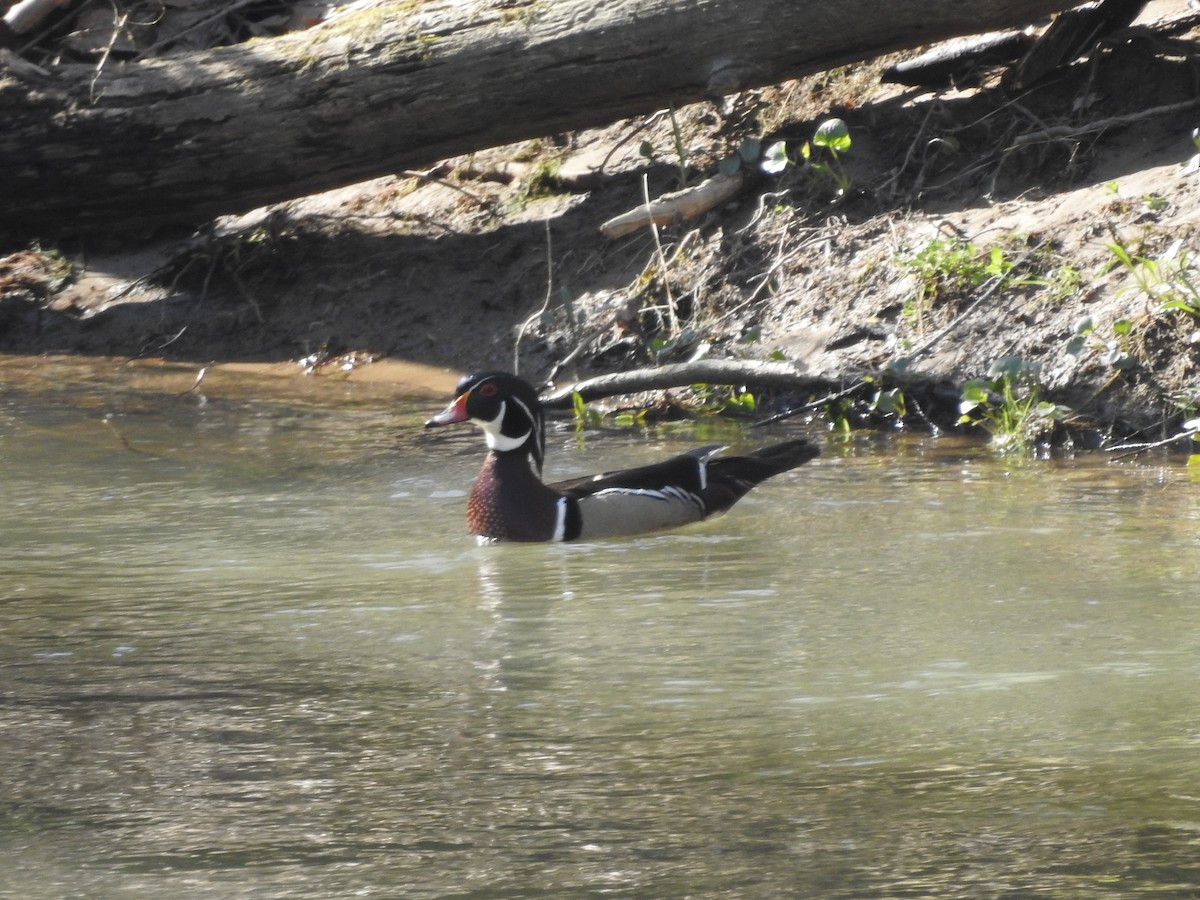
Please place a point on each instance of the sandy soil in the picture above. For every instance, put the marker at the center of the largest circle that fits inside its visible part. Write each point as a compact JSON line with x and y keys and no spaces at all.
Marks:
{"x":891,"y":279}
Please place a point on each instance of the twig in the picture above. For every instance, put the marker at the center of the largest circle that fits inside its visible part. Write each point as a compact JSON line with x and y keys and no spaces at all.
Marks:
{"x":174,"y":38}
{"x":766,"y":278}
{"x":516,"y":367}
{"x":815,"y":404}
{"x":1059,"y":132}
{"x":119,"y":20}
{"x":1135,"y":449}
{"x":887,"y":184}
{"x":125,"y":441}
{"x":429,"y":178}
{"x":146,"y":349}
{"x":761,"y":208}
{"x":641,"y":126}
{"x":999,"y":282}
{"x":196,"y":384}
{"x":672,"y":318}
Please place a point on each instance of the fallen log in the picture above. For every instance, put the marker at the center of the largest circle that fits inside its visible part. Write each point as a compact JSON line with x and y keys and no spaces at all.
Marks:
{"x":677,"y":206}
{"x":400,"y":85}
{"x":750,"y":372}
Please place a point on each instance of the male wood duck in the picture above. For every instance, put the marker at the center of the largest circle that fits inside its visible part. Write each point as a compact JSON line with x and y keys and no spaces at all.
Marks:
{"x":510,"y":502}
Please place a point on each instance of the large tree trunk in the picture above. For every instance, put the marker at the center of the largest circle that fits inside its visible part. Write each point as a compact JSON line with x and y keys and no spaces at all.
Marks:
{"x":403,"y":84}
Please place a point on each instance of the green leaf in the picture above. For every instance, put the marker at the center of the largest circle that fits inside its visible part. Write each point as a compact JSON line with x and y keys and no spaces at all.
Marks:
{"x":750,"y":149}
{"x":730,"y":164}
{"x":1122,"y":326}
{"x":775,"y":160}
{"x":833,"y":134}
{"x":974,"y":395}
{"x":1116,"y":357}
{"x":584,"y":415}
{"x":890,"y":402}
{"x":1180,"y":306}
{"x":1119,"y":251}
{"x":1011,"y":367}
{"x":997,"y":264}
{"x":1048,"y":410}
{"x":1155,"y":202}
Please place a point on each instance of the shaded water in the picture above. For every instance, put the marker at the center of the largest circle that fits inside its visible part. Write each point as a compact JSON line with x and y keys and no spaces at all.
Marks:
{"x":246,"y":650}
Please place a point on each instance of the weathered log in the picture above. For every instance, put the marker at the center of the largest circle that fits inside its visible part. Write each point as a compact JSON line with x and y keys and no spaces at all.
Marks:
{"x":959,"y":61}
{"x":676,"y":207}
{"x":400,"y":85}
{"x":760,"y":373}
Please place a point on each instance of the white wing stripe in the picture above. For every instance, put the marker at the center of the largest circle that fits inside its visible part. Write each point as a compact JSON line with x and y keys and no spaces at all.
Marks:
{"x":668,"y":494}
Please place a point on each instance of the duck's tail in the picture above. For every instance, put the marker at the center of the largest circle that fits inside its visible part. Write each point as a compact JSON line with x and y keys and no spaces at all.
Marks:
{"x":730,"y":477}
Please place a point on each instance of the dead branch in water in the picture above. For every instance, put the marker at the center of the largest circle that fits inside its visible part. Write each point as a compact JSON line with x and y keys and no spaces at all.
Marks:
{"x":702,"y":371}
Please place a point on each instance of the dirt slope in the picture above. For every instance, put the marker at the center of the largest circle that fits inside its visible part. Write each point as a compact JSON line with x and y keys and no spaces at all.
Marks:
{"x":977,"y":225}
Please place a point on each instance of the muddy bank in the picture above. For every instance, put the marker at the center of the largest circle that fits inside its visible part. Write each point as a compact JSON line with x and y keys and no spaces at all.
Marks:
{"x":1052,"y":232}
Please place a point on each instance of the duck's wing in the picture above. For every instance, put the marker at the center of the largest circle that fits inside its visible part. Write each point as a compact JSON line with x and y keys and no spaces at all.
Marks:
{"x":686,"y":471}
{"x":676,"y":491}
{"x":646,"y":498}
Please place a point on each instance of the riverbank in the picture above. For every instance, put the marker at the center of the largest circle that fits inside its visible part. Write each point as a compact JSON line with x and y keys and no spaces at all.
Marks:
{"x":970,"y":243}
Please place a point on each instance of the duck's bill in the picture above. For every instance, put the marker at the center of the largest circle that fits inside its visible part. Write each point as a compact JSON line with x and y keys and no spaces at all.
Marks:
{"x":455,"y":412}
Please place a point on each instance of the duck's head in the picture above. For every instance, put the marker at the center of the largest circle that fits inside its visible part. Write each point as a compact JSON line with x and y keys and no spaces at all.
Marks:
{"x":505,"y":407}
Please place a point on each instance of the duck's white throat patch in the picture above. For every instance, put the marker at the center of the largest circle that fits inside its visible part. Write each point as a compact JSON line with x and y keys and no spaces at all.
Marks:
{"x":496,"y":439}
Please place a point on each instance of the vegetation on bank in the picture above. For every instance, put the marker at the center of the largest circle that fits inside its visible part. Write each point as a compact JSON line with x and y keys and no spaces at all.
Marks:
{"x":913,"y":257}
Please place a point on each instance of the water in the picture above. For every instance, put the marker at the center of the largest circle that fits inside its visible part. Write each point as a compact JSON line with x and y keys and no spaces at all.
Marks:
{"x":246,"y":650}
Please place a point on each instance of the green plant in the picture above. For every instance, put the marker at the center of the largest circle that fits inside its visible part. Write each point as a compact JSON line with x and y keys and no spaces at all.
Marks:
{"x":585,"y":415}
{"x":1063,"y":282}
{"x":1170,"y":279}
{"x":889,"y":404}
{"x":949,"y":266}
{"x":1116,"y":352}
{"x":721,"y":399}
{"x":823,"y":153}
{"x":707,"y":400}
{"x":1155,"y":202}
{"x":775,"y":158}
{"x":749,"y":152}
{"x":1009,"y":406}
{"x":542,"y":181}
{"x":839,"y":412}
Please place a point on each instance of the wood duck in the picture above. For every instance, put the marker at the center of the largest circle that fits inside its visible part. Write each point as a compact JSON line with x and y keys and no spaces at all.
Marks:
{"x":510,"y":502}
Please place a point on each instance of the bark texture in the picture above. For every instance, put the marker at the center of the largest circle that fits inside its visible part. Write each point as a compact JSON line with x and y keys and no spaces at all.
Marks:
{"x":400,"y":85}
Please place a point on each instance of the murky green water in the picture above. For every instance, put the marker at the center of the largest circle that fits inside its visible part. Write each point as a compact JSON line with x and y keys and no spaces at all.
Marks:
{"x":246,"y":650}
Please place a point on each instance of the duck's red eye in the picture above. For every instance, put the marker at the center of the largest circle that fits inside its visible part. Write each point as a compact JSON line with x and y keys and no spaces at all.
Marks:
{"x":487,"y":389}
